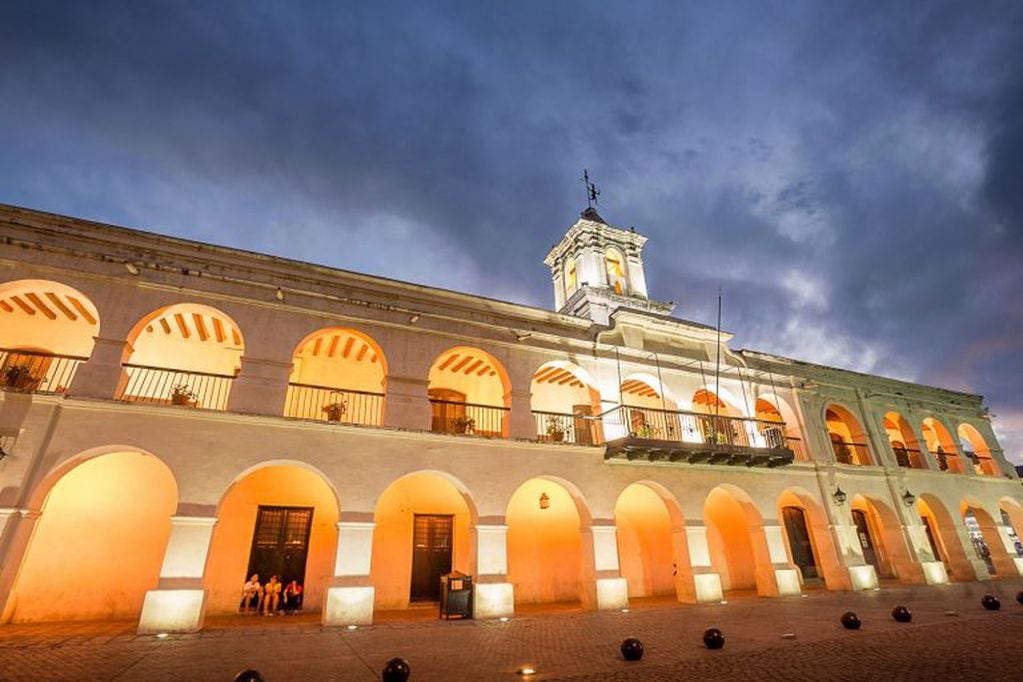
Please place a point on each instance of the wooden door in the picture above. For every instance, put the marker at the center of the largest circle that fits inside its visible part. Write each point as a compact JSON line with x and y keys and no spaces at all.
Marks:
{"x":280,"y":543}
{"x":431,"y":554}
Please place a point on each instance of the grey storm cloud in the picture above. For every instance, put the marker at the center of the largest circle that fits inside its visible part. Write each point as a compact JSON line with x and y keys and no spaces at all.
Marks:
{"x":850,"y":174}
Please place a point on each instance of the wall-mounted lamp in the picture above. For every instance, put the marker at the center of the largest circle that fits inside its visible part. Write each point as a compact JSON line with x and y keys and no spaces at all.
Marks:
{"x":131,"y":268}
{"x":280,"y":294}
{"x":545,"y":501}
{"x":839,"y":495}
{"x":909,"y":498}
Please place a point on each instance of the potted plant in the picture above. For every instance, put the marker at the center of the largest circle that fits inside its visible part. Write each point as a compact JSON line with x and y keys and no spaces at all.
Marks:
{"x":647,"y":431}
{"x":335,"y":410}
{"x":555,"y":429}
{"x":20,"y":377}
{"x":463,"y":424}
{"x":181,"y":394}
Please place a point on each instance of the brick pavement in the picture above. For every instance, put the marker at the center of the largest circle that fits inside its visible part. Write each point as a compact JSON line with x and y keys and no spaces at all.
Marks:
{"x":566,"y":645}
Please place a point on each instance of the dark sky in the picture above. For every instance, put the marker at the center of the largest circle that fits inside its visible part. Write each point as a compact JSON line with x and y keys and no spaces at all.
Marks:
{"x":851,"y":174}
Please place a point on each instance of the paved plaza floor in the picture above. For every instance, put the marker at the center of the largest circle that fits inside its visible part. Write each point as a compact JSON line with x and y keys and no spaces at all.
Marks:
{"x":951,"y":637}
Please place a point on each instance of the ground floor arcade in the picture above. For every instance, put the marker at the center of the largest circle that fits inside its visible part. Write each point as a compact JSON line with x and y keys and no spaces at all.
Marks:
{"x":115,"y":532}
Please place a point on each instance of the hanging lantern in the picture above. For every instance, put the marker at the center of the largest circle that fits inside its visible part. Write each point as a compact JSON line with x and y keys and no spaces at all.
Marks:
{"x":545,"y":501}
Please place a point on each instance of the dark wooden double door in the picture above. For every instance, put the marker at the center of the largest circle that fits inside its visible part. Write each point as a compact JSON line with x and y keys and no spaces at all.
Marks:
{"x":280,"y":543}
{"x":431,"y":554}
{"x":799,"y":542}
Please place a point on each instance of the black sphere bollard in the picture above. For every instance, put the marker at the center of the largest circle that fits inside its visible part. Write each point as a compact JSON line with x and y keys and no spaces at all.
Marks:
{"x":850,"y":621}
{"x":990,"y":602}
{"x":632,"y":649}
{"x":396,"y":670}
{"x":713,"y":638}
{"x":902,"y":614}
{"x":249,"y":675}
{"x":1019,"y":597}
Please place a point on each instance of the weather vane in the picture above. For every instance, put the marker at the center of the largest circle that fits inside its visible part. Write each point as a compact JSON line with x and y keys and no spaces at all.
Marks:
{"x":591,"y":190}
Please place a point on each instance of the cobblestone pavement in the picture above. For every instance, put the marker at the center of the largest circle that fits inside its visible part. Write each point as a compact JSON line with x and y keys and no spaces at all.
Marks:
{"x":967,"y":644}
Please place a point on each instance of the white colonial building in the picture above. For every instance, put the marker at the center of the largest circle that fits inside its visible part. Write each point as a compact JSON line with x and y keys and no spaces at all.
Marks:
{"x":176,"y":416}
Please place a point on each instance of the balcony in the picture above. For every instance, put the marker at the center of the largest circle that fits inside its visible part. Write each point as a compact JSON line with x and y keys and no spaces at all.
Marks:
{"x":559,"y":427}
{"x":468,"y":419}
{"x":162,"y":386}
{"x":679,"y":436}
{"x":857,"y":454}
{"x":32,"y":371}
{"x":344,"y":406}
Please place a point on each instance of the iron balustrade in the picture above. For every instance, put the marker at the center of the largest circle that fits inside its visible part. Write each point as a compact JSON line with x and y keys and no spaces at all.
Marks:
{"x":342,"y":405}
{"x":692,"y":427}
{"x":30,"y":371}
{"x":908,"y":458}
{"x":561,"y":427}
{"x":470,"y":419}
{"x":851,"y":453}
{"x":162,"y":386}
{"x":796,"y":446}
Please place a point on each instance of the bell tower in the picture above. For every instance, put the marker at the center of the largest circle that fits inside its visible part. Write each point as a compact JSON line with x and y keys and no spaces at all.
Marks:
{"x":597,"y":268}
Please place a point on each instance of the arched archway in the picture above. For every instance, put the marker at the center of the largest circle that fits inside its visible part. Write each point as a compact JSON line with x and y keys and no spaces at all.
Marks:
{"x":941,"y":444}
{"x":277,"y":518}
{"x":652,"y":551}
{"x":100,"y":541}
{"x":337,"y":374}
{"x":977,"y":450}
{"x":903,"y":441}
{"x":848,"y":439}
{"x":777,"y":425}
{"x":735,"y":537}
{"x":647,"y":410}
{"x":879,"y":532}
{"x":424,"y":529}
{"x":808,"y":539}
{"x":548,"y":560}
{"x":46,"y":332}
{"x":987,"y":541}
{"x":616,"y":271}
{"x":565,"y":404}
{"x":943,"y":537}
{"x":470,"y":393}
{"x":184,"y":354}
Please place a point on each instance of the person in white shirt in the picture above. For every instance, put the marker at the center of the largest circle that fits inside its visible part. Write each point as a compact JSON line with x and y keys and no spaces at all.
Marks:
{"x":252,"y":593}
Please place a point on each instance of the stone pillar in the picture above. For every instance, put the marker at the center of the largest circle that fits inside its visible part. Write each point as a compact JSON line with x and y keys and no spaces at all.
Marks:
{"x":521,"y":423}
{"x":260,"y":387}
{"x":18,"y":525}
{"x":178,"y":604}
{"x":406,"y":404}
{"x":101,"y":376}
{"x":862,"y":576}
{"x":612,"y":589}
{"x":786,"y":580}
{"x":350,"y":596}
{"x":494,"y":596}
{"x":706,"y":582}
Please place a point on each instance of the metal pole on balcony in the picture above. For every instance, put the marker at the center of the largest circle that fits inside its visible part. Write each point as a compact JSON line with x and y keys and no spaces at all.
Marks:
{"x":657,"y":361}
{"x":717,"y":368}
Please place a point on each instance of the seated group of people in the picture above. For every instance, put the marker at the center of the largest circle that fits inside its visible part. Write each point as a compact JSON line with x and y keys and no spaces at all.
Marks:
{"x":271,"y":598}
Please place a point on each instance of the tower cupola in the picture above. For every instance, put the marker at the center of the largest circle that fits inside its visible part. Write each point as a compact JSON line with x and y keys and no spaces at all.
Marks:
{"x":597,"y":268}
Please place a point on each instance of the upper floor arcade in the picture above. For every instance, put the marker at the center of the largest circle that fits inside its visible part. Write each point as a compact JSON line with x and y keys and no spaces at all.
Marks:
{"x":142,"y":319}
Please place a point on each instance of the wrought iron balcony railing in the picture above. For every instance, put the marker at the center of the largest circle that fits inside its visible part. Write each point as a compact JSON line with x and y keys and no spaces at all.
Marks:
{"x":561,"y":427}
{"x":32,"y":371}
{"x":342,"y":405}
{"x":678,"y":435}
{"x":851,"y":453}
{"x":470,"y":419}
{"x":162,"y":386}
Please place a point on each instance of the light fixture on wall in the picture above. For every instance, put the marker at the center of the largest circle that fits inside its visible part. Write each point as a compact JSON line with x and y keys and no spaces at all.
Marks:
{"x":545,"y":501}
{"x":909,"y":498}
{"x":280,"y":294}
{"x":839,"y":495}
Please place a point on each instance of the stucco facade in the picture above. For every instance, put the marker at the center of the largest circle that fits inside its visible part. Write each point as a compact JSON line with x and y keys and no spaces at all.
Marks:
{"x":130,"y":488}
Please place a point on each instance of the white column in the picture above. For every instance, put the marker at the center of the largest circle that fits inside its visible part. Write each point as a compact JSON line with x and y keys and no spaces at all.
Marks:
{"x":706,"y":582}
{"x":786,"y":577}
{"x":612,"y":589}
{"x":178,"y":604}
{"x":350,"y":597}
{"x":494,"y":596}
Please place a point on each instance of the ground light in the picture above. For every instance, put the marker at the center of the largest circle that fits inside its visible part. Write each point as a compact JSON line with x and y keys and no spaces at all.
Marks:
{"x":161,"y":635}
{"x":353,"y":627}
{"x":503,"y":619}
{"x":526,"y":670}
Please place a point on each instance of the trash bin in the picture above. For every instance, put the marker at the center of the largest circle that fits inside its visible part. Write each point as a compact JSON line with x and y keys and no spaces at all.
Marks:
{"x":456,"y":595}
